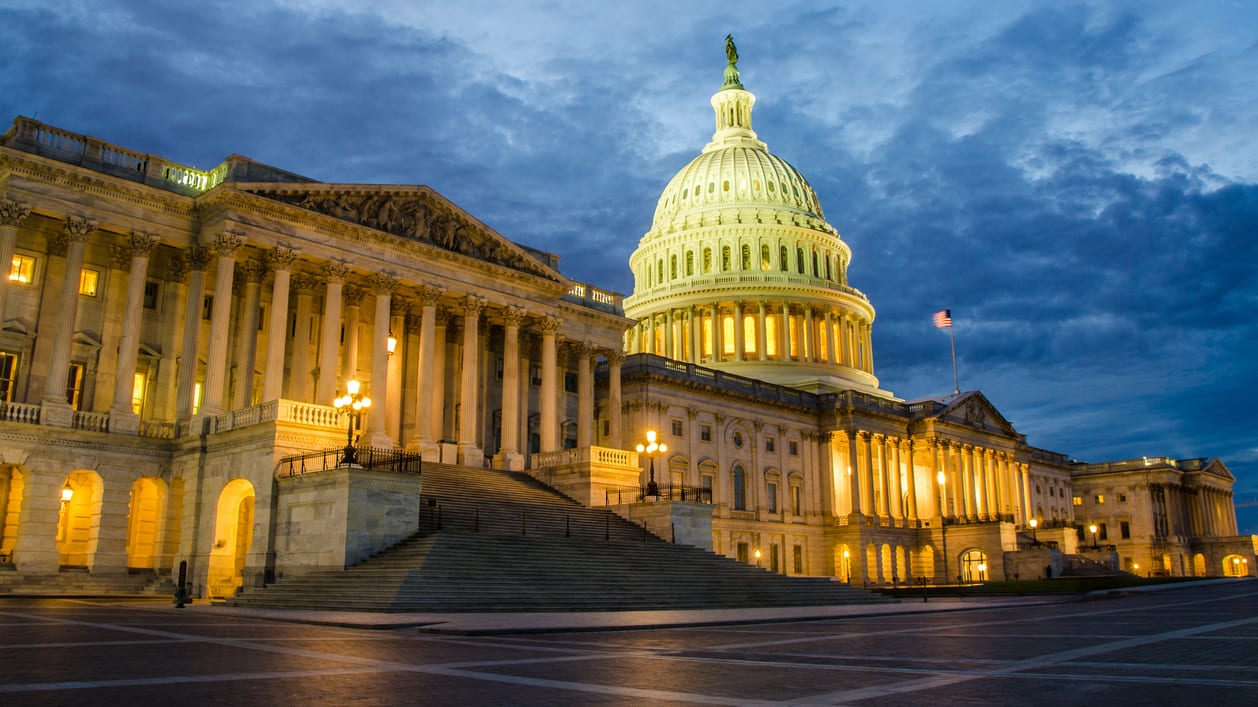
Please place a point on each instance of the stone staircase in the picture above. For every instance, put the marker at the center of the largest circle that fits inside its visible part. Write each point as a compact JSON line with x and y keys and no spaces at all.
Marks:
{"x":508,"y":543}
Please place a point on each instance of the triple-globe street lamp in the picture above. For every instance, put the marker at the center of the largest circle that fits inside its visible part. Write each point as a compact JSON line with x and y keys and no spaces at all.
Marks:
{"x":353,"y":403}
{"x":652,"y":449}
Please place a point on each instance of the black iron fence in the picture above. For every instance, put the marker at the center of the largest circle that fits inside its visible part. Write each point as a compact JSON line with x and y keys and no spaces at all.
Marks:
{"x":374,"y":458}
{"x":668,"y":492}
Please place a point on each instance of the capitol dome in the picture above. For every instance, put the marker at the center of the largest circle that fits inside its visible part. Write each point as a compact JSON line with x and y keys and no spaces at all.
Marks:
{"x":740,"y":270}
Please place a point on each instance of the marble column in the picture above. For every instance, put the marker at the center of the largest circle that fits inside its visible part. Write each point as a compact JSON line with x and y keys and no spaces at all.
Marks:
{"x":762,"y":337}
{"x":669,"y":334}
{"x":399,"y":308}
{"x":831,"y":351}
{"x":509,"y":456}
{"x":866,"y":472}
{"x":586,"y":355}
{"x":251,"y":273}
{"x":910,"y":479}
{"x":196,"y":258}
{"x":225,"y":247}
{"x":72,"y":241}
{"x":281,"y":262}
{"x":300,"y":378}
{"x":424,"y":441}
{"x":896,"y":492}
{"x":470,"y":454}
{"x":810,"y":337}
{"x":122,"y":419}
{"x":377,"y":434}
{"x":718,"y":333}
{"x":549,"y":414}
{"x":740,"y":342}
{"x":696,"y":335}
{"x":614,"y":401}
{"x":333,"y":274}
{"x":12,"y":213}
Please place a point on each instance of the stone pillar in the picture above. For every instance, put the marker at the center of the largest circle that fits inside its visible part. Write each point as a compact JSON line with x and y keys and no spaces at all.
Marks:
{"x":55,"y":411}
{"x":197,"y":258}
{"x":718,"y":333}
{"x":470,"y":454}
{"x":225,"y":247}
{"x":740,"y":338}
{"x":281,"y":260}
{"x":910,"y":479}
{"x":831,"y":352}
{"x":247,"y":334}
{"x":508,"y":456}
{"x":783,"y":334}
{"x":1024,"y":470}
{"x":762,"y":338}
{"x":586,"y":355}
{"x":333,"y":274}
{"x":614,"y":361}
{"x":400,"y":307}
{"x":649,"y":333}
{"x":122,"y":418}
{"x":428,"y":373}
{"x":937,"y":489}
{"x":696,"y":334}
{"x":669,"y":334}
{"x":12,"y":213}
{"x":867,"y":473}
{"x":810,"y":337}
{"x":352,"y":298}
{"x":383,"y":285}
{"x":299,"y":371}
{"x":549,"y":421}
{"x":896,"y":492}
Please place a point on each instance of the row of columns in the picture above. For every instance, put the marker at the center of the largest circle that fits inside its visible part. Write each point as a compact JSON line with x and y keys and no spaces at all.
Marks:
{"x":824,"y":334}
{"x":979,"y":483}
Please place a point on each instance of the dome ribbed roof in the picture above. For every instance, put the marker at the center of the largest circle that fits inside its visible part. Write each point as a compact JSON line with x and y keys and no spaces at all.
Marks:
{"x":742,"y":176}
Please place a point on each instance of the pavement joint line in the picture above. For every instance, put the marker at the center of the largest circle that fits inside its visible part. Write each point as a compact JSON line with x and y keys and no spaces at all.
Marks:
{"x":177,"y":679}
{"x":1018,"y":667}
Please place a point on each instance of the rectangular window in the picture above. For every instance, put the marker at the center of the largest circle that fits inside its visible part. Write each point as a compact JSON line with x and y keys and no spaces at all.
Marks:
{"x":207,"y":307}
{"x":138,"y":387}
{"x":8,"y":375}
{"x":74,"y":385}
{"x":1077,"y":500}
{"x":1100,"y":499}
{"x":570,"y":382}
{"x":773,"y":559}
{"x":607,"y":428}
{"x":705,"y":433}
{"x":769,"y":444}
{"x":676,"y":428}
{"x":1124,"y":529}
{"x":150,"y":295}
{"x":706,"y":482}
{"x":23,"y":270}
{"x":793,"y":447}
{"x":771,"y":497}
{"x":799,"y":559}
{"x":89,"y":282}
{"x":1102,"y":532}
{"x":796,"y":498}
{"x":1122,"y":498}
{"x":535,"y":375}
{"x":743,"y":554}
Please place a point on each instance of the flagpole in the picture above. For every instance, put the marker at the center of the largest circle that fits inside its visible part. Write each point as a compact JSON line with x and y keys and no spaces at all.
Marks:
{"x":956,"y":382}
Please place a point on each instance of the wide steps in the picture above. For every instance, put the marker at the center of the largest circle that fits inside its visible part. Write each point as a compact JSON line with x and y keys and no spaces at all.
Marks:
{"x":502,"y":541}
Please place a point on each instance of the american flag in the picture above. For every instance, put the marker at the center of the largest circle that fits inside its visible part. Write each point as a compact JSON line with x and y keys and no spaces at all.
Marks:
{"x":943,"y":319}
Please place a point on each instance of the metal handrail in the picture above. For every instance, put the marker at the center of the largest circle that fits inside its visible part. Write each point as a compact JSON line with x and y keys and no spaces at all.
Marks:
{"x":376,"y":458}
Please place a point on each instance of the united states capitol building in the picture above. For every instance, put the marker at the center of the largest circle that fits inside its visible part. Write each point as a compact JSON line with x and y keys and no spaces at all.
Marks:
{"x":174,"y":341}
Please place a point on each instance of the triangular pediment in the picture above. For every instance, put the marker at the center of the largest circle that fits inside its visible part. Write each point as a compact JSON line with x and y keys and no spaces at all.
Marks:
{"x":973,"y":409}
{"x":412,"y":212}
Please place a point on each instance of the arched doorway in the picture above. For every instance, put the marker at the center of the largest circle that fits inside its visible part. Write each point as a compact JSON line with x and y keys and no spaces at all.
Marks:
{"x":11,"y":487}
{"x":144,"y":522}
{"x":1199,"y":565}
{"x":1235,"y":566}
{"x":973,"y":566}
{"x":843,"y":563}
{"x":233,"y":535}
{"x":78,"y":523}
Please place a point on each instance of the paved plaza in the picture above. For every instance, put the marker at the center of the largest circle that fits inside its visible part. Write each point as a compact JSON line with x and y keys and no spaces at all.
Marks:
{"x":1194,"y":645}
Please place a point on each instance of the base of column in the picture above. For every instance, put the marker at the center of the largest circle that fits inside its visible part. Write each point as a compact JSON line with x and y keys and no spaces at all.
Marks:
{"x":378,"y":440}
{"x":124,"y":422}
{"x":471,"y":455}
{"x":56,"y":413}
{"x":511,"y":461}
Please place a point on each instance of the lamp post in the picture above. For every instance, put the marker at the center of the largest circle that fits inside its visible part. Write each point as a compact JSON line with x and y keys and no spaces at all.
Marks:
{"x":1092,"y":529}
{"x":67,"y":494}
{"x":941,"y":478}
{"x":757,"y":557}
{"x":1035,"y":538}
{"x":352,"y":404}
{"x":652,"y":449}
{"x":847,"y":567}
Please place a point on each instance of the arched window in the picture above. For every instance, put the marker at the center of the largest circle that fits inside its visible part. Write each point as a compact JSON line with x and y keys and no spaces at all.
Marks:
{"x":690,"y":263}
{"x":799,"y":257}
{"x":829,"y":274}
{"x":707,"y":260}
{"x":766,"y":260}
{"x":672,"y":267}
{"x":786,"y":259}
{"x":725,"y":258}
{"x":746,"y":257}
{"x":815,"y":270}
{"x":740,"y":489}
{"x":974,"y":566}
{"x":659,"y":271}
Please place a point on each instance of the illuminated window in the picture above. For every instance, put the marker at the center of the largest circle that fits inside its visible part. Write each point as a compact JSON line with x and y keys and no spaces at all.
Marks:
{"x":8,"y":375}
{"x":823,"y":343}
{"x":749,"y":334}
{"x":1100,"y":499}
{"x":796,"y":500}
{"x":725,"y":185}
{"x":727,"y":334}
{"x":89,"y":282}
{"x":771,"y":335}
{"x":138,"y":386}
{"x":793,"y":335}
{"x":23,"y":270}
{"x":707,"y":260}
{"x":196,"y":398}
{"x":746,"y":256}
{"x":707,"y":337}
{"x":690,"y":263}
{"x":1077,"y":500}
{"x":74,"y":385}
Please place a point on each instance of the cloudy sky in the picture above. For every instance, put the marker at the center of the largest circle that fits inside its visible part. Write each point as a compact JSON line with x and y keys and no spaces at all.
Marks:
{"x":1077,"y":180}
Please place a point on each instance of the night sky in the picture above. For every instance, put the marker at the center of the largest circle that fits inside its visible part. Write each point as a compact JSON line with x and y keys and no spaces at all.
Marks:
{"x":1077,"y":180}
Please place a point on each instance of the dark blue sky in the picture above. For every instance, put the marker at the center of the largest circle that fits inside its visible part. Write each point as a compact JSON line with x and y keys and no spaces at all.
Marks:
{"x":1079,"y":181}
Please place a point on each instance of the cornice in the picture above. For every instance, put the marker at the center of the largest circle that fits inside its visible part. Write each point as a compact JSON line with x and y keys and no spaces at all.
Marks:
{"x":36,"y":168}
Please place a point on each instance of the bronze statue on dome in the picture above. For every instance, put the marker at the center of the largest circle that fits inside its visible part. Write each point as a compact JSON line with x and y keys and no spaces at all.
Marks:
{"x":731,"y":51}
{"x":731,"y":71}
